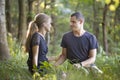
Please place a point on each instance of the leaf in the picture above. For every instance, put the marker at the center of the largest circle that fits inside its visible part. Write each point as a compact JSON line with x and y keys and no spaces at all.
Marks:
{"x":107,"y":1}
{"x":54,"y":77}
{"x":112,"y":7}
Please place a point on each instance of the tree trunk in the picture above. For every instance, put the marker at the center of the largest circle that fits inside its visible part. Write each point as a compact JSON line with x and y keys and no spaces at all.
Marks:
{"x":53,"y":35}
{"x":117,"y":15}
{"x":8,"y":16}
{"x":95,"y":23}
{"x":48,"y":34}
{"x":4,"y":51}
{"x":77,"y":6}
{"x":22,"y":22}
{"x":105,"y":43}
{"x":30,"y":10}
{"x":38,"y":6}
{"x":117,"y":22}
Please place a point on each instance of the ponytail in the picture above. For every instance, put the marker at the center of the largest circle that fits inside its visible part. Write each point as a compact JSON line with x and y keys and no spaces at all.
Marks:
{"x":32,"y":28}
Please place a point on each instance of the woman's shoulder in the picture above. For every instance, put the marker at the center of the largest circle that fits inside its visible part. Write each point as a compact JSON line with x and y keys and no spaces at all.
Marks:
{"x":36,"y":35}
{"x":35,"y":39}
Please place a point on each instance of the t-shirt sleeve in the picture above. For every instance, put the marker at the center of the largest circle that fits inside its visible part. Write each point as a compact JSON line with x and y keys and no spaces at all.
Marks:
{"x":93,"y":42}
{"x":35,"y":39}
{"x":63,"y":43}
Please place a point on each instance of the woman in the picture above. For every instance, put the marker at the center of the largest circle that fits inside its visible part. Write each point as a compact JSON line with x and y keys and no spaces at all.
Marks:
{"x":35,"y":43}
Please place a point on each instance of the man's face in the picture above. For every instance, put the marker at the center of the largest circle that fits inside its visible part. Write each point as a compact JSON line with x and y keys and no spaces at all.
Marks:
{"x":75,"y":24}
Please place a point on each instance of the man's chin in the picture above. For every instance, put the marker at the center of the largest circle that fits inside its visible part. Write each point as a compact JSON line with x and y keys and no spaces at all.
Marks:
{"x":74,"y":29}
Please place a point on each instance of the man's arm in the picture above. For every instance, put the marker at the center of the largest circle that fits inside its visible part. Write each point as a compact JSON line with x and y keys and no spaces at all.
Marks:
{"x":91,"y":59}
{"x":61,"y":59}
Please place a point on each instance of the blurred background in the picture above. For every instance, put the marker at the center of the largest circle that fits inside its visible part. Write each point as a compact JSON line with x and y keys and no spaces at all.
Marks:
{"x":102,"y":18}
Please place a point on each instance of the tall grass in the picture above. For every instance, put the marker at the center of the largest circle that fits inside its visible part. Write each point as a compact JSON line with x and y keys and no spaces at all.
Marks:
{"x":16,"y":68}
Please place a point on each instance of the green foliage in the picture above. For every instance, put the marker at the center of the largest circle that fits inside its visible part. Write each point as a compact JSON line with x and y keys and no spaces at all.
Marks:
{"x":110,"y":66}
{"x":16,"y":68}
{"x":47,"y":74}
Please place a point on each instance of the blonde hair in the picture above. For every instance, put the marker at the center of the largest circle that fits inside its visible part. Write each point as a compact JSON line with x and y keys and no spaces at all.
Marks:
{"x":40,"y":19}
{"x":33,"y":27}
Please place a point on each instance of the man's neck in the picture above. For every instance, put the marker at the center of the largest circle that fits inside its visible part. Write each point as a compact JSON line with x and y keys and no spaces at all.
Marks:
{"x":79,"y":33}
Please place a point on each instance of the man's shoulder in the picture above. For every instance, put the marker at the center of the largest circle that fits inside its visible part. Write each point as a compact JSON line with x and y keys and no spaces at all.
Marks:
{"x":88,"y":34}
{"x":67,"y":33}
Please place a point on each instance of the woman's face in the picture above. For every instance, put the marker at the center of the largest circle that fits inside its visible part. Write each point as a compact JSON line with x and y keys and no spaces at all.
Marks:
{"x":48,"y":25}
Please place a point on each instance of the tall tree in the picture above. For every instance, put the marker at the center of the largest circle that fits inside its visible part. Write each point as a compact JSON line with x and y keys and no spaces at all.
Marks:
{"x":53,"y":25}
{"x":105,"y":43}
{"x":116,"y":23}
{"x":4,"y":51}
{"x":37,"y":5}
{"x":22,"y":21}
{"x":30,"y":10}
{"x":95,"y":22}
{"x":117,"y":15}
{"x":104,"y":24}
{"x":8,"y":16}
{"x":47,"y":35}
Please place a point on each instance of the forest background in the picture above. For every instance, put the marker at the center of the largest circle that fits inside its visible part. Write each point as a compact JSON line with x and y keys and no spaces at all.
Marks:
{"x":102,"y":18}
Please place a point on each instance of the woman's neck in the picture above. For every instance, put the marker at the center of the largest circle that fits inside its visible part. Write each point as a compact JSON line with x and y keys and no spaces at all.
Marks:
{"x":42,"y":32}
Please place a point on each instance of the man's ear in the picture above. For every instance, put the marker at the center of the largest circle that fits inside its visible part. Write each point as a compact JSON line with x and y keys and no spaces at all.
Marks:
{"x":81,"y":21}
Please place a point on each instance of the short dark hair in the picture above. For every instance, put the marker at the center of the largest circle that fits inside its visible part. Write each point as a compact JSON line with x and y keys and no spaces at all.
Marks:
{"x":78,"y":16}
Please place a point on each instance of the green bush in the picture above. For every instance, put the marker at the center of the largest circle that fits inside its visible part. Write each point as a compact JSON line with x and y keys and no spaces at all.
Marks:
{"x":16,"y":68}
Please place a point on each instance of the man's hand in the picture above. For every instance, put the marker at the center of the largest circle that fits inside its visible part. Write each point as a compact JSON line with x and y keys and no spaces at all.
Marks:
{"x":96,"y":69}
{"x":61,"y":59}
{"x":77,"y":65}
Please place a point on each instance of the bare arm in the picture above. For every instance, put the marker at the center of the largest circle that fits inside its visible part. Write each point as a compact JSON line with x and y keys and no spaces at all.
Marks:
{"x":91,"y":59}
{"x":61,"y":59}
{"x":52,"y":58}
{"x":35,"y":50}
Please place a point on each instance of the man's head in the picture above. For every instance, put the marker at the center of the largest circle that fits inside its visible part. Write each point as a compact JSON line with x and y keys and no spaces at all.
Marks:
{"x":76,"y":21}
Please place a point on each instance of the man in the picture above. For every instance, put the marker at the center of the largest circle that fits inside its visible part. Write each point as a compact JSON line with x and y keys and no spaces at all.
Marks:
{"x":78,"y":45}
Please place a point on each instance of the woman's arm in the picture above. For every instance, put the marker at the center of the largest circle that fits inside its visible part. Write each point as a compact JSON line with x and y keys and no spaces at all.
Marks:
{"x":52,"y":58}
{"x":35,"y":50}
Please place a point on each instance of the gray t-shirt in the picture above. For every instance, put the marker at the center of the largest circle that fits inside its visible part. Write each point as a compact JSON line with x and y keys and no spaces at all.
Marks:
{"x":78,"y":47}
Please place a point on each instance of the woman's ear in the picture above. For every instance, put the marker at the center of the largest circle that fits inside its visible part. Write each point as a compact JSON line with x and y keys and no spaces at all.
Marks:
{"x":44,"y":24}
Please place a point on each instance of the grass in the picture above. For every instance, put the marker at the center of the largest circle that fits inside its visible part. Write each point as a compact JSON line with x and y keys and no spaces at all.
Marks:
{"x":16,"y":68}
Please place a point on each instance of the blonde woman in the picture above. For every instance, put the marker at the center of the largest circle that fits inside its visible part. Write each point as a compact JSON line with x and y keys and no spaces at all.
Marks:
{"x":35,"y":43}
